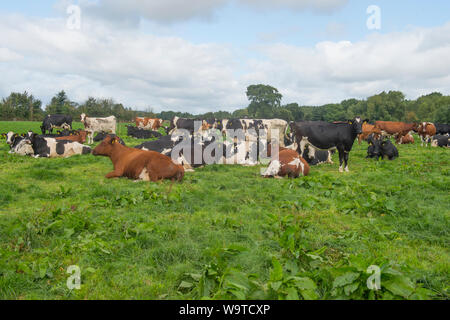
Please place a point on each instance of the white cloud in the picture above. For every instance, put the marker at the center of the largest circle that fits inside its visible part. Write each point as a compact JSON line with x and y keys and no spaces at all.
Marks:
{"x":130,"y":12}
{"x":137,"y":69}
{"x":140,"y":70}
{"x":332,"y":71}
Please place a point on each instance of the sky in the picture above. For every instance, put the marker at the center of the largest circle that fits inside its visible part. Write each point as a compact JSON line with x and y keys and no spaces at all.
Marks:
{"x":200,"y":55}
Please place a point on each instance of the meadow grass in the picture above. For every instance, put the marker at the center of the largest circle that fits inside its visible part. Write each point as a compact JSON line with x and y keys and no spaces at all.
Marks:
{"x":156,"y":240}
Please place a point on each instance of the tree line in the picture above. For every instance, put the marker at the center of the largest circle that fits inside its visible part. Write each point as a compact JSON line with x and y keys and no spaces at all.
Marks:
{"x":264,"y":103}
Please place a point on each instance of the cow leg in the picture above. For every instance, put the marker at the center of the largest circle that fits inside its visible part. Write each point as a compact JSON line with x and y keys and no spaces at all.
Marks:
{"x":114,"y":174}
{"x":346,"y":154}
{"x":341,"y":160}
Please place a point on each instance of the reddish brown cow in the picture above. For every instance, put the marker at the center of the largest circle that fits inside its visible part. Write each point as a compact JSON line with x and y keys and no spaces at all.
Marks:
{"x":289,"y":164}
{"x":367,"y":129}
{"x":148,"y":123}
{"x":426,"y":131}
{"x":389,"y":128}
{"x":404,"y":138}
{"x":79,"y":137}
{"x":138,"y":164}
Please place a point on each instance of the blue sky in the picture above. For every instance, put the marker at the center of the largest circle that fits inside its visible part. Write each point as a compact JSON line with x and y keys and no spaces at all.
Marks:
{"x":239,"y":43}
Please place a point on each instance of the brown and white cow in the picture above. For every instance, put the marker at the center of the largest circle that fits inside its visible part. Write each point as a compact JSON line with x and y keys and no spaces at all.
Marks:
{"x":148,"y":123}
{"x":426,"y":131}
{"x":289,"y":163}
{"x":93,"y":125}
{"x":404,"y":138}
{"x":138,"y":164}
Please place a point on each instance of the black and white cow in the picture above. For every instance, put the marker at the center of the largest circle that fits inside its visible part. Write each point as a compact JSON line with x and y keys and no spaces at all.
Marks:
{"x":52,"y":148}
{"x":140,"y":133}
{"x":328,"y":136}
{"x":56,"y":121}
{"x":440,"y":141}
{"x":315,"y":157}
{"x":442,"y":129}
{"x":188,"y":124}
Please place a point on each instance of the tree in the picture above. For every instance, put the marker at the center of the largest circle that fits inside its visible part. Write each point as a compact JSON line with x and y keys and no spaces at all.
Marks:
{"x":21,"y":106}
{"x":263,"y":100}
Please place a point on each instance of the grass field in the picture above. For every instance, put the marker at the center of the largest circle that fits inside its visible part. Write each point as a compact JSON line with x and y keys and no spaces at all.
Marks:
{"x":225,"y":232}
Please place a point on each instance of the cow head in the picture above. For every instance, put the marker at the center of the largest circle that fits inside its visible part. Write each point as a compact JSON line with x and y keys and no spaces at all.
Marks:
{"x":374,"y":149}
{"x":357,"y":124}
{"x":9,"y":137}
{"x":107,"y":146}
{"x":83,"y":117}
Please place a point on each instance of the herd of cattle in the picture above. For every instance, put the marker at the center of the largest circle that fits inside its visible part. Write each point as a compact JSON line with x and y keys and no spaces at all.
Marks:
{"x":291,"y":148}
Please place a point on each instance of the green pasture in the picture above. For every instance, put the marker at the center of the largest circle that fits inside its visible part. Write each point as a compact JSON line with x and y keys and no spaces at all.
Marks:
{"x":225,"y":232}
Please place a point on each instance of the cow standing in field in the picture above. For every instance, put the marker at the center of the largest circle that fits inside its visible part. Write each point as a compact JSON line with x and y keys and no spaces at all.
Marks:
{"x":56,"y":121}
{"x":148,"y":123}
{"x":390,"y":128}
{"x":138,"y":164}
{"x":426,"y":130}
{"x":328,"y":136}
{"x":93,"y":125}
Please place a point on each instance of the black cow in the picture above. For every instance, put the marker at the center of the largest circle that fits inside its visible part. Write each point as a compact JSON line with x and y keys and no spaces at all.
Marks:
{"x":162,"y":145}
{"x":102,"y":135}
{"x":381,"y":149}
{"x":56,"y":121}
{"x":442,"y":129}
{"x":440,"y":141}
{"x":328,"y":136}
{"x":140,"y":133}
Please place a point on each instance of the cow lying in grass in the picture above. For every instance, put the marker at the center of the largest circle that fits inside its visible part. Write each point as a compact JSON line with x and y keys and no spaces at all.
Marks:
{"x":138,"y":164}
{"x":52,"y":148}
{"x":381,"y":149}
{"x":289,"y":164}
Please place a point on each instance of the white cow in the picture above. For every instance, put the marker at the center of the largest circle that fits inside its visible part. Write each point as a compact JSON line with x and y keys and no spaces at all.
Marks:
{"x":93,"y":125}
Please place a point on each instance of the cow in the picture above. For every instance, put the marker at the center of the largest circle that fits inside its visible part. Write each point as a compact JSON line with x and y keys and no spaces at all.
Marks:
{"x":79,"y":137}
{"x":367,"y":129}
{"x":19,"y":144}
{"x":315,"y":157}
{"x":381,"y":149}
{"x":255,"y":129}
{"x":440,"y":141}
{"x":52,"y":148}
{"x":138,"y":164}
{"x":404,"y":139}
{"x":102,"y":135}
{"x":148,"y":123}
{"x":426,"y":130}
{"x":56,"y":121}
{"x":328,"y":136}
{"x":289,"y":164}
{"x":139,"y":133}
{"x":442,"y":129}
{"x":188,"y":124}
{"x":389,"y":128}
{"x":93,"y":125}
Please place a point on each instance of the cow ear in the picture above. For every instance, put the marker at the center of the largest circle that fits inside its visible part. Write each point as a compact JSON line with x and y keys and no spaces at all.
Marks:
{"x":350,"y":121}
{"x":366,"y":121}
